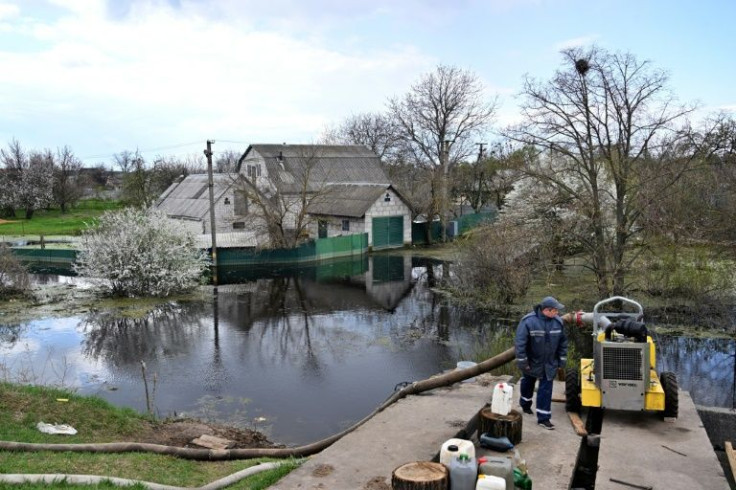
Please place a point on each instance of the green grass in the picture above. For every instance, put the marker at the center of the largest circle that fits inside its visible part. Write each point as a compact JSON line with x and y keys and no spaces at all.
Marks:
{"x":52,"y":222}
{"x":22,"y":407}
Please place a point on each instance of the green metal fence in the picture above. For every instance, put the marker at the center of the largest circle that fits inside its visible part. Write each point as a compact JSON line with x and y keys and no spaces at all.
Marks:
{"x":320,"y":249}
{"x":458,"y":226}
{"x":45,"y":255}
{"x":316,"y":250}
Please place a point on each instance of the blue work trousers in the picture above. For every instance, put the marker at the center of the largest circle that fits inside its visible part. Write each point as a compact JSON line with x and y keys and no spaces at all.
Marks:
{"x":544,"y":396}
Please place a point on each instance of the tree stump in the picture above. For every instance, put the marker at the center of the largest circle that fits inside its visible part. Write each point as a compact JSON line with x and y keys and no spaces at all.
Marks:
{"x":496,"y":425}
{"x":420,"y":475}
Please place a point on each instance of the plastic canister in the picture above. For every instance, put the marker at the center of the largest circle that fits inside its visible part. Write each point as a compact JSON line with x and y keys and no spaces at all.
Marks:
{"x":498,"y":466}
{"x":490,"y":482}
{"x":463,"y":473}
{"x":503,"y":394}
{"x":463,"y":446}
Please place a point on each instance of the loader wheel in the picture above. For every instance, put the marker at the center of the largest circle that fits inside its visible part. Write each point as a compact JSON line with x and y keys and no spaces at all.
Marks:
{"x":668,"y":381}
{"x":572,"y":391}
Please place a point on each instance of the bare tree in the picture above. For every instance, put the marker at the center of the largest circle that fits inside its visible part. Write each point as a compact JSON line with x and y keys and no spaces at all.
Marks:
{"x":139,"y":188}
{"x":439,"y":119}
{"x":378,"y":132}
{"x":600,"y":120}
{"x":125,"y":160}
{"x":227,"y":161}
{"x":67,"y":186}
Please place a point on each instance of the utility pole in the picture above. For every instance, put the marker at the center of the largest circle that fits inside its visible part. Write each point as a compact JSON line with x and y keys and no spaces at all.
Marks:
{"x":211,"y":185}
{"x":444,"y":196}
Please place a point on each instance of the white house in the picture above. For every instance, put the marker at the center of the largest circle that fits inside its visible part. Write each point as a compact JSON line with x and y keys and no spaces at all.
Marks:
{"x":344,"y":187}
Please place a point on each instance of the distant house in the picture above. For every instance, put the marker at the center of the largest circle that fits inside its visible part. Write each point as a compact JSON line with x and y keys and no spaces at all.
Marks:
{"x":344,"y":187}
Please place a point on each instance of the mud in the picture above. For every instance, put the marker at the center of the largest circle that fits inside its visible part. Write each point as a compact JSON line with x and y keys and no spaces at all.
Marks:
{"x":179,"y":433}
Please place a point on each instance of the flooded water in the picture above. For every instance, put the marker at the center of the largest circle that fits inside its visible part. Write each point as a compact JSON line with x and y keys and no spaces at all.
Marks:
{"x":299,"y":353}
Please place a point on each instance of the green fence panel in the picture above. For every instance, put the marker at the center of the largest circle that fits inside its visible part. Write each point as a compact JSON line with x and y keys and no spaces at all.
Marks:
{"x":419,"y":234}
{"x":469,"y":221}
{"x":315,"y":250}
{"x":320,"y":249}
{"x":46,"y":255}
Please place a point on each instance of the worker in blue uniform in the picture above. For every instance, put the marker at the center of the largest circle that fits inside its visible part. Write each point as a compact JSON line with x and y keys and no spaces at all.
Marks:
{"x":541,"y":348}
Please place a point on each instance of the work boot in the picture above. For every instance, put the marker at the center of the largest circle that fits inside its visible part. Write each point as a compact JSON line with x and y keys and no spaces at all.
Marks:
{"x":547,"y":425}
{"x":527,"y":410}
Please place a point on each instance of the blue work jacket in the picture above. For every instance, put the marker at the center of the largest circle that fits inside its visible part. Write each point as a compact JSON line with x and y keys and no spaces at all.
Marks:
{"x":541,"y":345}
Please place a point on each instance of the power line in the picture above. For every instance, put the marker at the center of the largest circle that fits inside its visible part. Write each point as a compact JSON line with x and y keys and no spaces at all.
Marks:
{"x":146,"y":150}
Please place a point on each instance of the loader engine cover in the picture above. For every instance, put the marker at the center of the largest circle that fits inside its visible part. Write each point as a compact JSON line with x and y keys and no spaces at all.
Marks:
{"x":622,"y":374}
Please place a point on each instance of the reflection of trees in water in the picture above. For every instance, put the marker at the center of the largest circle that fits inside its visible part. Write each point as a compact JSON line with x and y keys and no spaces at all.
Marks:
{"x":167,"y":330}
{"x":704,"y":367}
{"x":11,"y":334}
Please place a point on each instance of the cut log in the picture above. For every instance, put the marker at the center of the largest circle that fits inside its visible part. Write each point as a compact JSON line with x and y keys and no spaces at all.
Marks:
{"x":577,"y":424}
{"x":420,"y":475}
{"x":496,"y":425}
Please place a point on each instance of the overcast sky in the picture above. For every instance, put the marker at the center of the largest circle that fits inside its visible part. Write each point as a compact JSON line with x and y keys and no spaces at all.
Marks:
{"x":163,"y":76}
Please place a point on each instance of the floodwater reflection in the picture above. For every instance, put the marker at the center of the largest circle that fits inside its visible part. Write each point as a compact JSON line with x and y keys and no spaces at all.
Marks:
{"x":300,"y":352}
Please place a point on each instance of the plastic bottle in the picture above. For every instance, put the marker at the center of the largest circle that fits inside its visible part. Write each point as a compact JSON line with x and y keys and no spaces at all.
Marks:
{"x":503,"y":395}
{"x":490,"y":482}
{"x":522,"y":479}
{"x":498,"y":466}
{"x":463,"y":446}
{"x":463,"y":473}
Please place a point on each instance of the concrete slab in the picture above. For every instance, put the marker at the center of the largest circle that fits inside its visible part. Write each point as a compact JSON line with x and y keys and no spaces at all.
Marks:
{"x":639,"y":448}
{"x":412,"y":429}
{"x":550,"y":455}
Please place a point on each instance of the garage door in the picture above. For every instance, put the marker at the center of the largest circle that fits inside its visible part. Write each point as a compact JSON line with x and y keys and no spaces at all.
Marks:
{"x":388,"y":232}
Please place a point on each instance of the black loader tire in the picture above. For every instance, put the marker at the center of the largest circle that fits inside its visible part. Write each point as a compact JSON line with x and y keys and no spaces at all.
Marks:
{"x":668,"y":380}
{"x":572,"y":391}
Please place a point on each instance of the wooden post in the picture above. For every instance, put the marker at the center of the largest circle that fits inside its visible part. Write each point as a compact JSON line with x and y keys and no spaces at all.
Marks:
{"x":420,"y":475}
{"x":731,"y":458}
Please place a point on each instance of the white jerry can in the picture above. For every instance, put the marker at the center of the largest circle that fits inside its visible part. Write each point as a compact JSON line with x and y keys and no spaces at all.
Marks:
{"x":503,"y":394}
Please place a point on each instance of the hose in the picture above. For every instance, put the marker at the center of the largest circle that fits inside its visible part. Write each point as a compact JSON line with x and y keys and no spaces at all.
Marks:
{"x":247,"y":453}
{"x":19,"y":479}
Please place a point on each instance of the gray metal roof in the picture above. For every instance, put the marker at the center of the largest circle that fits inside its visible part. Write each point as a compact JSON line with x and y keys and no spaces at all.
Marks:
{"x":290,"y":165}
{"x":190,"y":197}
{"x":346,"y":200}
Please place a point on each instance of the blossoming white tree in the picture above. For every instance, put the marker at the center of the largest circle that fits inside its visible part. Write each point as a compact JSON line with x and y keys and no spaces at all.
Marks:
{"x":136,"y":252}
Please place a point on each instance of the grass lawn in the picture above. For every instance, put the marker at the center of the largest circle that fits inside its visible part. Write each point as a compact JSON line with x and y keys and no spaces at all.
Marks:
{"x":22,"y":407}
{"x":52,"y":222}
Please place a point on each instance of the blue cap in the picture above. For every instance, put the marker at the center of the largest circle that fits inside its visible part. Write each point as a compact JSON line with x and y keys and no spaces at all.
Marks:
{"x":550,"y":302}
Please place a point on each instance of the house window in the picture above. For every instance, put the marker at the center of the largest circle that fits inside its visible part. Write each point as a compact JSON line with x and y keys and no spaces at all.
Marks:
{"x":227,"y":201}
{"x":388,"y":197}
{"x":253,"y":171}
{"x":239,"y":225}
{"x":346,"y":225}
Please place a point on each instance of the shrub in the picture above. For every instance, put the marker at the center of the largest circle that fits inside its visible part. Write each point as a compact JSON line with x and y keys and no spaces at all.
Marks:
{"x":13,"y":275}
{"x":140,"y":253}
{"x":496,"y":262}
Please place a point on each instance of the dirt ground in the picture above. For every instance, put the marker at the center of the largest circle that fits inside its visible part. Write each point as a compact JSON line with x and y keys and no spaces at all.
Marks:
{"x":179,"y":433}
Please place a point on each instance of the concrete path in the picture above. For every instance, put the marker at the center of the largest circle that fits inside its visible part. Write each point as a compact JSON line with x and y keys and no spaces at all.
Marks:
{"x":412,"y":429}
{"x":639,"y":448}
